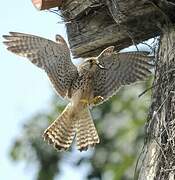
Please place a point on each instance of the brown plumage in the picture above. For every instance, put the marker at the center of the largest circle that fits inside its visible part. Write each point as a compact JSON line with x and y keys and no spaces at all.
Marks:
{"x":89,"y":84}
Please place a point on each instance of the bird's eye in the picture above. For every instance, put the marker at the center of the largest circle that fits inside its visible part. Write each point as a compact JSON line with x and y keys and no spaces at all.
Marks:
{"x":91,"y":61}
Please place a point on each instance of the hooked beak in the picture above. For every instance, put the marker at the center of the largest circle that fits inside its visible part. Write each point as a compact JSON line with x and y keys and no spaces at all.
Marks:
{"x":99,"y":65}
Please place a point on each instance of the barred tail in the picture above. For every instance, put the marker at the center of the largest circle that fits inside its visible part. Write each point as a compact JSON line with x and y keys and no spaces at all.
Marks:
{"x":86,"y":133}
{"x":61,"y":132}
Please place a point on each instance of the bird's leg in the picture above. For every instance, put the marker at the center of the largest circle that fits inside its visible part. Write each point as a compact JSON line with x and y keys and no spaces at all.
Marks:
{"x":96,"y":100}
{"x":84,"y":101}
{"x":93,"y":101}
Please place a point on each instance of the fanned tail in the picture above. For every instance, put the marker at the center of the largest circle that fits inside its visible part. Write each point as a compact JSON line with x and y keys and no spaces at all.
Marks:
{"x":61,"y":132}
{"x":86,"y":133}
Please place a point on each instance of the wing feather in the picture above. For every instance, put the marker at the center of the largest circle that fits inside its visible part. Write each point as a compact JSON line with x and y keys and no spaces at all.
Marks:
{"x":120,"y":69}
{"x":53,"y":57}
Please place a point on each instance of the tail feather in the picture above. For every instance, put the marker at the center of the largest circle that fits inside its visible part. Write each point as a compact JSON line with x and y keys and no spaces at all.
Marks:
{"x":62,"y":131}
{"x":86,"y":133}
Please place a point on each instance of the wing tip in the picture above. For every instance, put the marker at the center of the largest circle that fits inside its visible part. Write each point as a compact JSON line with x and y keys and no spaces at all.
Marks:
{"x":6,"y":37}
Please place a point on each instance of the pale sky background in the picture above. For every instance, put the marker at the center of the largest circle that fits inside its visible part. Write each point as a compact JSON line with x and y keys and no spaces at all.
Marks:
{"x":24,"y":89}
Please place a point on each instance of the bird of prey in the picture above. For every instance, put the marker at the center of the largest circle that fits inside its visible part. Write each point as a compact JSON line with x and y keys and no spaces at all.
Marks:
{"x":89,"y":84}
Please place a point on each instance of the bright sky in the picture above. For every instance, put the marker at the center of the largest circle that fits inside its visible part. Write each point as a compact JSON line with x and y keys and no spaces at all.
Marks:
{"x":24,"y":88}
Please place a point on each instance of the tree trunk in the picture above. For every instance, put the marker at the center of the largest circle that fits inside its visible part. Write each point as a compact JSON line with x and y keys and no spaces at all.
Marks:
{"x":94,"y":25}
{"x":159,"y":150}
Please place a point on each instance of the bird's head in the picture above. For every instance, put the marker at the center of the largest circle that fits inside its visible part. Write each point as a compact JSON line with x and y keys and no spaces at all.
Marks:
{"x":91,"y":63}
{"x":95,"y":62}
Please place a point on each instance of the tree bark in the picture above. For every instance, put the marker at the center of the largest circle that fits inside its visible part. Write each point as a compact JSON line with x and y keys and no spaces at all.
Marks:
{"x":46,"y":4}
{"x":93,"y":25}
{"x":159,"y":151}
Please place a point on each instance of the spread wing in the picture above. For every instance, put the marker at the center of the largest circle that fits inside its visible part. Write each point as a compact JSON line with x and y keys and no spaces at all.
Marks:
{"x":120,"y":69}
{"x":53,"y":57}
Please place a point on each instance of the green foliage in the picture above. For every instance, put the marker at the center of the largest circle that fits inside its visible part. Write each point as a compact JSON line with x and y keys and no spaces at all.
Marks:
{"x":120,"y":123}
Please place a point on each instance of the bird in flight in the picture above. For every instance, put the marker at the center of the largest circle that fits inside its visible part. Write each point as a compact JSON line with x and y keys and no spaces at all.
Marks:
{"x":89,"y":84}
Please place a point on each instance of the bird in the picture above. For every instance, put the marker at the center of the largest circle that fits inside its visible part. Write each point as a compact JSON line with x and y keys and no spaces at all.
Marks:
{"x":87,"y":85}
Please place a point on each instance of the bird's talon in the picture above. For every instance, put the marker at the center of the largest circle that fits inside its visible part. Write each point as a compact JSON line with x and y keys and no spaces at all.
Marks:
{"x":97,"y":100}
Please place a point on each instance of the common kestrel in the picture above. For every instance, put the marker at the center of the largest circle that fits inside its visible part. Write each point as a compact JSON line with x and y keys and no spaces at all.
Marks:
{"x":89,"y":84}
